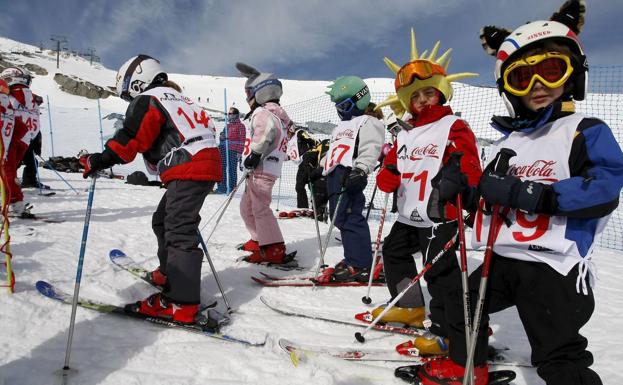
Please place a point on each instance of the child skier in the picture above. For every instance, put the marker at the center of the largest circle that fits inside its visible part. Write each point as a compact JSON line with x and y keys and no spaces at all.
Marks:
{"x":300,"y":141}
{"x":26,"y":106}
{"x":423,"y":146}
{"x":177,"y":138}
{"x":263,"y":154}
{"x":557,"y":196}
{"x":353,"y":152}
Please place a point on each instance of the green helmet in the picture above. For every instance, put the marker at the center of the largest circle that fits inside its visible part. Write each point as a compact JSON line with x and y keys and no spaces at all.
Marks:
{"x":346,"y":87}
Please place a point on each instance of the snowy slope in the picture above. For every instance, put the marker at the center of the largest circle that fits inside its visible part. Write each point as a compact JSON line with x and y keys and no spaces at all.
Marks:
{"x":109,"y":350}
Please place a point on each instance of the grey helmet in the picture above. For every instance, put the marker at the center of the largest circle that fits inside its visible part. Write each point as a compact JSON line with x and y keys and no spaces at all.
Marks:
{"x":263,"y":87}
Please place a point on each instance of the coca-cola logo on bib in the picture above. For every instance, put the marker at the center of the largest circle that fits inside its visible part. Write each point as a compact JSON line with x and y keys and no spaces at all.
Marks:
{"x":350,"y":134}
{"x":428,"y":151}
{"x":542,"y":170}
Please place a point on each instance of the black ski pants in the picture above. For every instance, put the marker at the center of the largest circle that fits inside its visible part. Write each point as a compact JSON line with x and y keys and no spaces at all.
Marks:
{"x":550,"y":309}
{"x":175,"y":223}
{"x":443,"y":278}
{"x":302,"y":178}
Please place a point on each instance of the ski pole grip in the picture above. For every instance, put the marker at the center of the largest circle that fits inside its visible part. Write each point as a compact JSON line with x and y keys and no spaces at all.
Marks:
{"x":504,"y":157}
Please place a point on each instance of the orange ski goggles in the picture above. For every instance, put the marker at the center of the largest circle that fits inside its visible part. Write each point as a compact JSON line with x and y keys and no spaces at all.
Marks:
{"x":421,"y":69}
{"x":552,"y":69}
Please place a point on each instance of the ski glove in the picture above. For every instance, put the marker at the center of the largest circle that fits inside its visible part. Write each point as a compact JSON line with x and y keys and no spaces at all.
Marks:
{"x":356,"y":180}
{"x":450,"y":181}
{"x":93,"y":163}
{"x":510,"y":191}
{"x":252,"y":161}
{"x":315,"y":174}
{"x":388,"y":179}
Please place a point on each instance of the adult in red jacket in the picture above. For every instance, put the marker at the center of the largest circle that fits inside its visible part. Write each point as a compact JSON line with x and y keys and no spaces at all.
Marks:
{"x":430,"y":133}
{"x":176,"y":138}
{"x":26,"y":107}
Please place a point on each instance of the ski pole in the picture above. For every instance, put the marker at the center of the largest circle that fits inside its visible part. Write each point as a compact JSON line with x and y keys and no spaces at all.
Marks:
{"x":83,"y":247}
{"x":323,"y":250}
{"x":227,"y":202}
{"x":500,"y":167}
{"x":57,"y":173}
{"x":455,"y":158}
{"x":371,"y":200}
{"x":278,"y":195}
{"x":218,"y":281}
{"x":311,"y":189}
{"x":366,"y":299}
{"x":450,"y":244}
{"x":218,"y":209}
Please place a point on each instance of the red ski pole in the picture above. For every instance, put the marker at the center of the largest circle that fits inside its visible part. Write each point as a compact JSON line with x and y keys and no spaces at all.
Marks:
{"x":501,"y":167}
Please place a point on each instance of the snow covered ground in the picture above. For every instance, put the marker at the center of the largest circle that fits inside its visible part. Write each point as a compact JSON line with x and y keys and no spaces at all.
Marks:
{"x":110,"y":350}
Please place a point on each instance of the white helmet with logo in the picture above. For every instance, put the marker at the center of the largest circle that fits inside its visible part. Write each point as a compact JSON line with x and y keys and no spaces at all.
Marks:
{"x":15,"y":75}
{"x":136,"y":74}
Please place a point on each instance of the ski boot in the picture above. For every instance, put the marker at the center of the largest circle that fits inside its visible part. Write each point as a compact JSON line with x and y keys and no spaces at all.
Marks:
{"x":250,"y":245}
{"x":427,"y":344}
{"x":157,"y":305}
{"x":446,"y":372}
{"x":342,"y":272}
{"x":408,"y":316}
{"x":273,"y":253}
{"x":157,"y":278}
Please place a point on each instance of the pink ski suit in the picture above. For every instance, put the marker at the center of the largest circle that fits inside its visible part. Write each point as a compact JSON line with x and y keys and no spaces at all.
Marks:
{"x":267,"y":134}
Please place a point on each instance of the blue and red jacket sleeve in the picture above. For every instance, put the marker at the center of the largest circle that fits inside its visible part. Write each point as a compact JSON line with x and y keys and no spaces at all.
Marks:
{"x":141,"y":126}
{"x":596,"y":167}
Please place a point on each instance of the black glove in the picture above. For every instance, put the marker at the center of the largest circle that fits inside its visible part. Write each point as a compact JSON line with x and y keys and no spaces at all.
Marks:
{"x":252,"y":161}
{"x":450,"y":182}
{"x":356,"y":180}
{"x":510,"y":191}
{"x":315,"y":174}
{"x":93,"y":163}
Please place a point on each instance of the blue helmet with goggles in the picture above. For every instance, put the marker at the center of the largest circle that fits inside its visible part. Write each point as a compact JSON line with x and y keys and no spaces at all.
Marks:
{"x":351,"y":96}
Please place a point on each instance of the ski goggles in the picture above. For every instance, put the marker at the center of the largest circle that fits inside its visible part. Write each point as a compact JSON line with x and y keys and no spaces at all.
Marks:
{"x":421,"y":69}
{"x":552,"y":69}
{"x":347,"y":105}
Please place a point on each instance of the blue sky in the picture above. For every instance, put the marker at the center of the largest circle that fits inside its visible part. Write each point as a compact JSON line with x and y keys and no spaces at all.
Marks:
{"x":298,"y":39}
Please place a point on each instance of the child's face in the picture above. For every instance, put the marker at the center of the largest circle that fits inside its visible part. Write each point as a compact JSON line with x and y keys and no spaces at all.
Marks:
{"x":541,"y":96}
{"x":427,"y":96}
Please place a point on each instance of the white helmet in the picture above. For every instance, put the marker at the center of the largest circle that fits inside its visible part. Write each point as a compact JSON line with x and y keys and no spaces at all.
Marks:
{"x":136,"y":74}
{"x":15,"y":75}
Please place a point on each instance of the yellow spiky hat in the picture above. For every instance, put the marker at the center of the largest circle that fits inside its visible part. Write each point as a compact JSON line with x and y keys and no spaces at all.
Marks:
{"x":439,"y":81}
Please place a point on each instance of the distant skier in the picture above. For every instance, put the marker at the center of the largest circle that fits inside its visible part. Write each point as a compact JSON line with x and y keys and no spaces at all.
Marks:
{"x":176,"y":138}
{"x":353,"y":153}
{"x":231,"y":146}
{"x":426,"y":222}
{"x":27,"y":127}
{"x":263,"y":156}
{"x":557,"y":196}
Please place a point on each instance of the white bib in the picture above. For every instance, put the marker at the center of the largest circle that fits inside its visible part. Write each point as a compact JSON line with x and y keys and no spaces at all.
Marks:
{"x":7,"y":123}
{"x":293,"y":151}
{"x":193,"y":123}
{"x":272,"y":163}
{"x":27,"y":113}
{"x":542,"y":156}
{"x":343,"y":140}
{"x":420,"y":155}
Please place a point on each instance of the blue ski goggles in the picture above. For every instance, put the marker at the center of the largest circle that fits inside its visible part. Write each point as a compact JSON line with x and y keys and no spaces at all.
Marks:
{"x":347,"y":105}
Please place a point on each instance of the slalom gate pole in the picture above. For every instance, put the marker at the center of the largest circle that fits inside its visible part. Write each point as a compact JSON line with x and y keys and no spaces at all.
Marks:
{"x":500,"y":167}
{"x":226,"y":129}
{"x":57,"y":173}
{"x":214,"y":272}
{"x":83,"y":247}
{"x":311,"y":189}
{"x":278,"y":195}
{"x":227,"y":202}
{"x":450,"y":244}
{"x":34,"y":157}
{"x":366,"y":299}
{"x":323,"y":250}
{"x":50,"y":119}
{"x":6,"y":245}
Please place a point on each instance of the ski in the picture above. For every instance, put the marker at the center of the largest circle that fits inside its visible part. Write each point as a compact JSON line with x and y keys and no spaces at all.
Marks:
{"x":39,"y":218}
{"x":290,"y":264}
{"x":497,"y":377}
{"x":309,"y":282}
{"x":306,"y":313}
{"x":120,"y":259}
{"x":48,"y":290}
{"x":296,"y":350}
{"x":297,"y":278}
{"x":302,"y":213}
